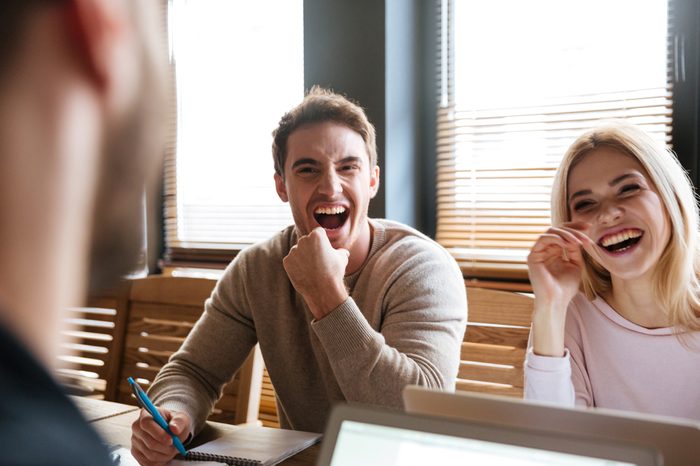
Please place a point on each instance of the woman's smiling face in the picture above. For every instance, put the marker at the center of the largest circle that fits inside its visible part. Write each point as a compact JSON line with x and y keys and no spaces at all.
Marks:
{"x":612,"y":192}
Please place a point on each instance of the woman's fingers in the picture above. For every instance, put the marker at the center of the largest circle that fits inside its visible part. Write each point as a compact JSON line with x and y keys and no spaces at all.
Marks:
{"x":546,"y":247}
{"x":589,"y":245}
{"x":579,"y":230}
{"x":557,"y":242}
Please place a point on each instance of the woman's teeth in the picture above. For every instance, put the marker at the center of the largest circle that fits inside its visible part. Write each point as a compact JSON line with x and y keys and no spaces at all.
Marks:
{"x":621,"y":241}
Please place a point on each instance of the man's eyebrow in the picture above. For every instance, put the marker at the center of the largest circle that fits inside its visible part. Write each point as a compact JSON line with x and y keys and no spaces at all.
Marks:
{"x":613,"y":182}
{"x":348,"y":159}
{"x":306,"y":161}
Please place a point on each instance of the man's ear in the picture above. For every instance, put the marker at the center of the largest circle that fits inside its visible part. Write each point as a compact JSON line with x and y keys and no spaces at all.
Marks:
{"x":374,"y":181}
{"x":281,"y":188}
{"x":98,"y":29}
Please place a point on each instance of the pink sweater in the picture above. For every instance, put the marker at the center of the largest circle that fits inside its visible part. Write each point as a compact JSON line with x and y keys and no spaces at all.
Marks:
{"x":613,"y":363}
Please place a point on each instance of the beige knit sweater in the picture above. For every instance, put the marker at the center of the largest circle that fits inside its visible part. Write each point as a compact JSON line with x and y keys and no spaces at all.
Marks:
{"x":403,"y":324}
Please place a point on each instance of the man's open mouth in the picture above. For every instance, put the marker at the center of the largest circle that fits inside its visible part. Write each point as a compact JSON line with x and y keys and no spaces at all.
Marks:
{"x":331,"y":218}
{"x":621,"y":241}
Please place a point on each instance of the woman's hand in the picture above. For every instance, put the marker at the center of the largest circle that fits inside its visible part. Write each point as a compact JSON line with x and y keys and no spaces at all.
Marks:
{"x":555,"y":265}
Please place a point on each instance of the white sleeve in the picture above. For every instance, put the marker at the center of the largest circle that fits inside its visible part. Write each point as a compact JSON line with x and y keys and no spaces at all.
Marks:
{"x":549,"y":378}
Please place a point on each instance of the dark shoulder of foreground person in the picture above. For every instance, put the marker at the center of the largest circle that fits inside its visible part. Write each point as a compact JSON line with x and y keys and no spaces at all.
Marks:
{"x":39,"y":425}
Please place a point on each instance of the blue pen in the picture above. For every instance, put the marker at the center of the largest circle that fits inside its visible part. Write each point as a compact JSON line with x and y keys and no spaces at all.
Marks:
{"x":147,"y":404}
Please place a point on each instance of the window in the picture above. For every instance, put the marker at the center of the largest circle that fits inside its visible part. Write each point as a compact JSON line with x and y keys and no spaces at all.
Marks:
{"x":520,"y":80}
{"x":238,"y":67}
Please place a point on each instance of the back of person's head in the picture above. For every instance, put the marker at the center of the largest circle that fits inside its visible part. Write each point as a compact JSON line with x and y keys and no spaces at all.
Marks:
{"x":116,"y":50}
{"x":676,"y":274}
{"x":322,"y":105}
{"x":12,"y":24}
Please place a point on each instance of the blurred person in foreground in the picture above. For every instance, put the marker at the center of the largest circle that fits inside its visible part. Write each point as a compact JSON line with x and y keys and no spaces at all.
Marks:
{"x":81,"y":103}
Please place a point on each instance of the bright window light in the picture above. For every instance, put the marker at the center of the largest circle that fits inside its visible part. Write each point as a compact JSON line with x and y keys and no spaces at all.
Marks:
{"x":239,"y":67}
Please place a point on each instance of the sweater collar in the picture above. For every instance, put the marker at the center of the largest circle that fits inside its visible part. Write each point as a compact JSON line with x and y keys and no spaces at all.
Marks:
{"x":378,"y":239}
{"x":611,"y":314}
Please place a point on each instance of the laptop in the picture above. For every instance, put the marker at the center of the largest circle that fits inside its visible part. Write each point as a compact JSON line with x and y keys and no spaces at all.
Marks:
{"x":369,"y":436}
{"x":677,"y":440}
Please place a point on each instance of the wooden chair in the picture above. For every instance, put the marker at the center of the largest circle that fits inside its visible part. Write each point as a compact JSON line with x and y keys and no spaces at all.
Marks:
{"x":495,"y":342}
{"x":92,"y":342}
{"x":162,"y":311}
{"x":267,"y":411}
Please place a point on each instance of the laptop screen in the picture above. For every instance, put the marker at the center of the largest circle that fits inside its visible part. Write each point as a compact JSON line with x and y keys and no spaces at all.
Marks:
{"x":371,"y":436}
{"x":676,"y":440}
{"x":368,"y":444}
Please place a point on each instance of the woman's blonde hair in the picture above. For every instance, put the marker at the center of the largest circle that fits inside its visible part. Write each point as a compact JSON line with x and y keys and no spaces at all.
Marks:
{"x":675,"y":277}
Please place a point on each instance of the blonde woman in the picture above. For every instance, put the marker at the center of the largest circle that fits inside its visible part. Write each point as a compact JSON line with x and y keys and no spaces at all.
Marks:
{"x":617,"y":307}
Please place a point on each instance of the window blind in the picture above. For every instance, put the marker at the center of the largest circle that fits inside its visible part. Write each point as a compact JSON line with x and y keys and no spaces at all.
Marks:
{"x":519,"y":81}
{"x":238,"y":67}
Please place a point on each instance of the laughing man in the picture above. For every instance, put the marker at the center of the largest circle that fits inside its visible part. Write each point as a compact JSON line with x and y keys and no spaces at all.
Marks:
{"x":345,"y":308}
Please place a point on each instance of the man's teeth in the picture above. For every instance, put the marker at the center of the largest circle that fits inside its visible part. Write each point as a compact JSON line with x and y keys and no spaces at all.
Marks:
{"x":620,"y":237}
{"x":330,"y":210}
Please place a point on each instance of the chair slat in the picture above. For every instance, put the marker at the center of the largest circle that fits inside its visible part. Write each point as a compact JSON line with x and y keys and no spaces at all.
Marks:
{"x":493,"y":350}
{"x":494,"y":389}
{"x":495,"y":354}
{"x":165,"y":311}
{"x":493,"y":306}
{"x":155,"y":342}
{"x":497,"y":336}
{"x":507,"y":375}
{"x":178,"y":329}
{"x":185,"y":291}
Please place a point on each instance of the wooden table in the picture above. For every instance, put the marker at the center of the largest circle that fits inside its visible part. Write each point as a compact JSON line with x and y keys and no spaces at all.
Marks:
{"x":96,"y":410}
{"x":113,"y":421}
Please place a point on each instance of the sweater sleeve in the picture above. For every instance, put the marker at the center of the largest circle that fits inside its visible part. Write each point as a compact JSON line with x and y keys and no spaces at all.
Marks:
{"x":575,"y":340}
{"x":561,"y":380}
{"x":419,"y":338}
{"x":214,"y":350}
{"x":549,"y":378}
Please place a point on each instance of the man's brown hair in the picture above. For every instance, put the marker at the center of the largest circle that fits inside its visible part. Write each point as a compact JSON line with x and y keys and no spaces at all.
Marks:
{"x":321,"y":105}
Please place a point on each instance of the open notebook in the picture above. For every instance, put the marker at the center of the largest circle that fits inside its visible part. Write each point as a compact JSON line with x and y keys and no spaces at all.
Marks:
{"x":244,"y":446}
{"x":253,"y":446}
{"x":375,"y":437}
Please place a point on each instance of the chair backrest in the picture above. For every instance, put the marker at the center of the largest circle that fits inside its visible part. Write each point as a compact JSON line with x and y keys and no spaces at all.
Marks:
{"x":267,"y":412}
{"x":162,"y":311}
{"x":92,"y":342}
{"x":493,"y":350}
